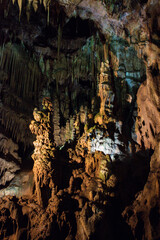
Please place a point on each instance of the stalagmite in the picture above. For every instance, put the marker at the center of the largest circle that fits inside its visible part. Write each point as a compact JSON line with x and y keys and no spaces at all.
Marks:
{"x":44,"y":153}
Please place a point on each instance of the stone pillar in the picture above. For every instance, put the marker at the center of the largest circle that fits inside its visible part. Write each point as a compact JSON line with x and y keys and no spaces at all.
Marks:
{"x":43,"y":156}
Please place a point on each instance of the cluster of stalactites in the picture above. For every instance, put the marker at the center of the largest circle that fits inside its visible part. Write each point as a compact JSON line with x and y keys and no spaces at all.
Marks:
{"x":22,"y":73}
{"x":34,"y":3}
{"x":84,"y":65}
{"x":17,"y":125}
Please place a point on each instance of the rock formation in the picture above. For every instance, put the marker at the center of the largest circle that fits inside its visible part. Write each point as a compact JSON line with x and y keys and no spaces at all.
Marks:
{"x":94,"y":66}
{"x":44,"y":153}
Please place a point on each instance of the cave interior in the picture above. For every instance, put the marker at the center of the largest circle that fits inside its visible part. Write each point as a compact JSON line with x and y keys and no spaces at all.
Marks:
{"x":79,"y":119}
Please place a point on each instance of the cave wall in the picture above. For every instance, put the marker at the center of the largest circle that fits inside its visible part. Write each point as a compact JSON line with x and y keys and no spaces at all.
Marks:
{"x":99,"y":64}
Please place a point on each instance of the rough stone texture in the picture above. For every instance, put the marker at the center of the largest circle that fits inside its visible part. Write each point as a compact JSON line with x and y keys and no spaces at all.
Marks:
{"x":13,"y":181}
{"x":148,"y":100}
{"x":148,"y":125}
{"x":92,"y":187}
{"x":43,"y":156}
{"x":9,"y":161}
{"x":20,"y":185}
{"x":7,"y":171}
{"x":8,"y":147}
{"x":144,"y":214}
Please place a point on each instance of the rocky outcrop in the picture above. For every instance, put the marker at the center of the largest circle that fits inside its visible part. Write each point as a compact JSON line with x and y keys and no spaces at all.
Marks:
{"x":8,"y":147}
{"x":9,"y":162}
{"x":143,"y":215}
{"x":20,"y":185}
{"x":7,"y":172}
{"x":148,"y":100}
{"x":13,"y":180}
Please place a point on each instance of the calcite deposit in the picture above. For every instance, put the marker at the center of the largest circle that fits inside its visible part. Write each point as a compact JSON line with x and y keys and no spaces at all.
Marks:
{"x":44,"y":153}
{"x":79,"y":119}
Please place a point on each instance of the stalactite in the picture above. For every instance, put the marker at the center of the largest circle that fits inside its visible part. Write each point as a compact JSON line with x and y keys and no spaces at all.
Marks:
{"x":25,"y":81}
{"x":35,"y":5}
{"x":56,"y":122}
{"x":59,"y":41}
{"x":72,"y":127}
{"x":20,"y":7}
{"x":105,"y":47}
{"x":21,"y":89}
{"x":106,"y":95}
{"x":28,"y":9}
{"x":48,"y":14}
{"x":17,"y":124}
{"x":58,"y":54}
{"x":2,"y":51}
{"x":46,"y":4}
{"x":47,"y":68}
{"x":92,"y":55}
{"x":67,"y":131}
{"x":27,"y":5}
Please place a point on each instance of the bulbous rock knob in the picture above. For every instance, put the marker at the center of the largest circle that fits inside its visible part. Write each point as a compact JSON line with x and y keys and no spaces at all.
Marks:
{"x":37,"y":115}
